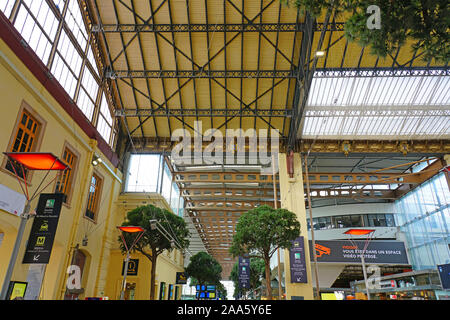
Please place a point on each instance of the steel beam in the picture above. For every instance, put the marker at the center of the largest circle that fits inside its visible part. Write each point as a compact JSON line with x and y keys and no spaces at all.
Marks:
{"x":314,"y":178}
{"x":193,"y":112}
{"x":195,"y":193}
{"x":252,"y":195}
{"x":205,"y":74}
{"x":374,"y":147}
{"x":229,"y":27}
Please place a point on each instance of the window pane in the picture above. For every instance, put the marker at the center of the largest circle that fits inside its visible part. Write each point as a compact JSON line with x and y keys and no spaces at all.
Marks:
{"x":65,"y":77}
{"x":104,"y":110}
{"x":86,"y":104}
{"x":381,"y":220}
{"x":104,"y":128}
{"x":92,"y":204}
{"x":104,"y":125}
{"x":338,"y":222}
{"x":390,"y":220}
{"x":6,"y":6}
{"x":23,"y":141}
{"x":143,"y":173}
{"x":75,"y":23}
{"x":39,"y":40}
{"x":70,"y":54}
{"x":356,"y":220}
{"x":373,"y":222}
{"x":347,"y":221}
{"x":89,"y":84}
{"x":64,"y":182}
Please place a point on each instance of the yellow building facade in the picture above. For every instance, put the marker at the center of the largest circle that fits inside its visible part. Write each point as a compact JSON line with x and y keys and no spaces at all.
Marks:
{"x":167,"y":265}
{"x":86,"y":233}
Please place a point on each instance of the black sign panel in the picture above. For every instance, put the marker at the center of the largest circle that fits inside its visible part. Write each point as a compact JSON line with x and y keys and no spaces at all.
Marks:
{"x":133,"y":265}
{"x":343,"y":251}
{"x":181,"y":278}
{"x":444,"y":274}
{"x":297,"y":261}
{"x":43,"y":230}
{"x":244,"y":272}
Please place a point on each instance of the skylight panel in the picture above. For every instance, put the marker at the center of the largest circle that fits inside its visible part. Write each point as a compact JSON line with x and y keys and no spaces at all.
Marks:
{"x":384,"y":106}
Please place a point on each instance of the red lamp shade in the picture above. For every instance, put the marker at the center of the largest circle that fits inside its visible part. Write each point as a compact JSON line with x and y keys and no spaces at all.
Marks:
{"x":131,"y":229}
{"x":359,"y":232}
{"x":37,"y":160}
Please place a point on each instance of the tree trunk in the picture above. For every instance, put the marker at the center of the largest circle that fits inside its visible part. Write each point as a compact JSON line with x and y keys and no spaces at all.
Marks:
{"x":268,"y":286}
{"x":152,"y":276}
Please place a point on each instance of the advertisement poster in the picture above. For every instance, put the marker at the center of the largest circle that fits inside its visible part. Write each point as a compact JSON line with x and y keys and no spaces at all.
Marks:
{"x":43,"y":230}
{"x":297,"y":261}
{"x":11,"y":201}
{"x":244,"y":272}
{"x":16,"y":290}
{"x":343,"y":251}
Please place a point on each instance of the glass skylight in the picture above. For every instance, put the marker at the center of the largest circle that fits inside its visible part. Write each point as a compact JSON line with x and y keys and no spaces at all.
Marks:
{"x":385,"y":106}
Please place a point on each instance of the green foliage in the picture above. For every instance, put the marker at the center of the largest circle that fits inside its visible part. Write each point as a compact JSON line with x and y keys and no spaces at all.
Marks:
{"x":153,"y":239}
{"x":261,"y":231}
{"x":153,"y":243}
{"x":425,"y":22}
{"x":204,"y":268}
{"x":221,"y":290}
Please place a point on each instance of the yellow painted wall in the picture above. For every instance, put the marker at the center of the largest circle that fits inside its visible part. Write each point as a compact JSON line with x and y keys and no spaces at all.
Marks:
{"x":18,"y":85}
{"x":168,"y":264}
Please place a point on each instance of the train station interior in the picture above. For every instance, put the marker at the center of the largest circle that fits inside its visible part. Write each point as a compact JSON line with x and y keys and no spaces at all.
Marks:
{"x":209,"y":109}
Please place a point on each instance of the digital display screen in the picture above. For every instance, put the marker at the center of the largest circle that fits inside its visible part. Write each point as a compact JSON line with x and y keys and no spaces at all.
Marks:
{"x":211,"y":295}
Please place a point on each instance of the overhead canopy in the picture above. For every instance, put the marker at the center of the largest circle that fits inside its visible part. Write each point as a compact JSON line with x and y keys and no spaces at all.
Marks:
{"x":235,"y":64}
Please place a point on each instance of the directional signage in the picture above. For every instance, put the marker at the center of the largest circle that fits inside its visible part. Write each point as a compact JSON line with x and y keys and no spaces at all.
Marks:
{"x":444,"y":275}
{"x":133,"y":265}
{"x":43,"y":230}
{"x":244,"y":272}
{"x":297,"y":261}
{"x":343,"y":251}
{"x":181,"y":278}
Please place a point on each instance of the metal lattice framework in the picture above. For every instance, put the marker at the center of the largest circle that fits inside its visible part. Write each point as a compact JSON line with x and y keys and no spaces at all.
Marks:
{"x":238,"y":64}
{"x":230,"y":27}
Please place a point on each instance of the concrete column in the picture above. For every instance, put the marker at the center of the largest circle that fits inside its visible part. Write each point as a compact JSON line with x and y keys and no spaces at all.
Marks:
{"x":293,"y":199}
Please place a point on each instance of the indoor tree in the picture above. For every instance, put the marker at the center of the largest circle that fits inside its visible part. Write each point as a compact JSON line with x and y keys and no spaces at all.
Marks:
{"x":260,"y":232}
{"x":153,"y":242}
{"x":204,"y":269}
{"x":424,"y":22}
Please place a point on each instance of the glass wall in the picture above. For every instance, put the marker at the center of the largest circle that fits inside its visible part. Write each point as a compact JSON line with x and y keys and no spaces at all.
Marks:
{"x":143,"y":173}
{"x":149,"y":173}
{"x":423,"y":215}
{"x":354,"y":220}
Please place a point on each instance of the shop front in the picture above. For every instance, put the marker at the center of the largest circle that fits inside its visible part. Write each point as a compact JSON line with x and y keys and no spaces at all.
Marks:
{"x":414,"y":285}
